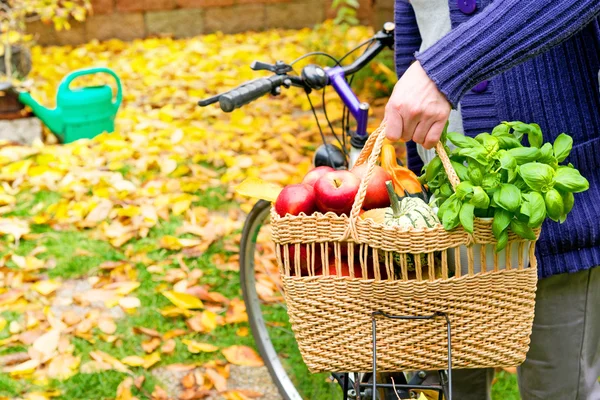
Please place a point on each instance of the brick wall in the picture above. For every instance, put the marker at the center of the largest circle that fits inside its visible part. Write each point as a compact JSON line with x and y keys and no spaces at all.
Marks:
{"x":131,"y":19}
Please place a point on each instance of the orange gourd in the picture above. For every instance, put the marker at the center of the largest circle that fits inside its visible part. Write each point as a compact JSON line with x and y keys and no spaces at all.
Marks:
{"x":402,"y":177}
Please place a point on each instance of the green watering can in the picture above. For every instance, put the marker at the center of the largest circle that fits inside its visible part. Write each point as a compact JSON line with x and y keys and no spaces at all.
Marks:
{"x":80,"y":113}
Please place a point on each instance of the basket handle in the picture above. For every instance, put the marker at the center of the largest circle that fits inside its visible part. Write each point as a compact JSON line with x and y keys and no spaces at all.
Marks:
{"x":370,"y":154}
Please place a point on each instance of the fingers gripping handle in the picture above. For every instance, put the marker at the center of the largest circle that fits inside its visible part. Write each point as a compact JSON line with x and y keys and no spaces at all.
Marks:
{"x":247,"y":93}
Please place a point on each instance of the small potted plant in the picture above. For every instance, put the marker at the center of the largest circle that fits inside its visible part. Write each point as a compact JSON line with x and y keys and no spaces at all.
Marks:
{"x":517,"y":185}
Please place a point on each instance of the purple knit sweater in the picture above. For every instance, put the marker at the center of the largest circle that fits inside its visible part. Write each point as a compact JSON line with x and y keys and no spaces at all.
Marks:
{"x":541,"y":59}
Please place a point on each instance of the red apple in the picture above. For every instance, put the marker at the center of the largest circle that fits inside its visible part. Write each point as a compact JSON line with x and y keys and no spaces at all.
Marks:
{"x":345,"y":269}
{"x":377,"y":195}
{"x":314,"y":174}
{"x":335,"y":191}
{"x":294,"y":199}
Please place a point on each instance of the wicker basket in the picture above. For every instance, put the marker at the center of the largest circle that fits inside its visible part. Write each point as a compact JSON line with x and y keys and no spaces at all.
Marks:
{"x":490,"y":307}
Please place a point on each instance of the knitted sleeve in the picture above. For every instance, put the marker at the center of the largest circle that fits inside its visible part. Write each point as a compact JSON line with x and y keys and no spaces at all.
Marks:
{"x":504,"y":34}
{"x":407,"y":37}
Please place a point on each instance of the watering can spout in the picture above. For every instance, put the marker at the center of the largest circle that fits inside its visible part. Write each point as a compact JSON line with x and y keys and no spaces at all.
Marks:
{"x":50,"y":117}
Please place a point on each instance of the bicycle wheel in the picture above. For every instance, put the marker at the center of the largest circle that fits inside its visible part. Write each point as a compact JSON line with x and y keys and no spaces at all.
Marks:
{"x":267,"y":314}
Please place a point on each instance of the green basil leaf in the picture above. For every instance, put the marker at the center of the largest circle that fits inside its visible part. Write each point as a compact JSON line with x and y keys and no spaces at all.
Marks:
{"x":534,"y":134}
{"x":521,"y":229}
{"x":478,"y":154}
{"x":461,"y":171}
{"x":518,"y":130}
{"x":525,"y":206}
{"x":537,"y":208}
{"x":466,"y":216}
{"x":446,"y":190}
{"x":502,"y":241}
{"x":554,"y":204}
{"x":525,"y":155}
{"x":547,"y":154}
{"x":480,"y":198}
{"x":450,"y":219}
{"x":433,"y":168}
{"x":562,"y":146}
{"x":480,"y":137}
{"x":501,"y":130}
{"x":490,"y":143}
{"x":570,"y":180}
{"x":508,"y":197}
{"x":508,"y":142}
{"x":463,"y":189}
{"x":462,"y":141}
{"x":501,"y":221}
{"x":490,"y":182}
{"x":537,"y":176}
{"x":568,"y":202}
{"x":475,"y":172}
{"x":444,"y":205}
{"x":507,"y":161}
{"x":520,"y":183}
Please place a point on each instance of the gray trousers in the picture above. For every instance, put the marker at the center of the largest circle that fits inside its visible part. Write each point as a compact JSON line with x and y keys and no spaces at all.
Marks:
{"x":563,"y":361}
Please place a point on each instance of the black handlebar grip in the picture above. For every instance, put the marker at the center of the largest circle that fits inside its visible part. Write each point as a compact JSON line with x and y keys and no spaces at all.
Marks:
{"x":248,"y":93}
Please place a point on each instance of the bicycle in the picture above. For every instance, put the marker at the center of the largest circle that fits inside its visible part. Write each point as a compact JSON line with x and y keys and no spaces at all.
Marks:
{"x":313,"y":77}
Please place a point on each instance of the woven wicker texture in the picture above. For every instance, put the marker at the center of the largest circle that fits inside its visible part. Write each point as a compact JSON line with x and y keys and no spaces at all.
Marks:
{"x":402,"y":272}
{"x":491,"y":317}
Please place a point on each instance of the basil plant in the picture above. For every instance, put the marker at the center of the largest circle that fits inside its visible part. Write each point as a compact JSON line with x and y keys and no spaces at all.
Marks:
{"x":519,"y":186}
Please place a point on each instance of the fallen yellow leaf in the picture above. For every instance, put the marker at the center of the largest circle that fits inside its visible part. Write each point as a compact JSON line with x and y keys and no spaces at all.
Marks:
{"x":258,"y":189}
{"x":63,"y":366}
{"x":25,"y":368}
{"x":45,"y":287}
{"x":174,"y":243}
{"x":124,"y":389}
{"x":45,"y":346}
{"x":197,"y":347}
{"x":107,"y":325}
{"x":151,"y":359}
{"x":183,"y":300}
{"x":133,"y":361}
{"x":242,"y":355}
{"x":103,"y":357}
{"x":217,"y":379}
{"x":129,"y":304}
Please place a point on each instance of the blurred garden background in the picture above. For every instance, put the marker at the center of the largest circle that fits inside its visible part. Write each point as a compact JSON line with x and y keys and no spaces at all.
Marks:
{"x":119,"y":254}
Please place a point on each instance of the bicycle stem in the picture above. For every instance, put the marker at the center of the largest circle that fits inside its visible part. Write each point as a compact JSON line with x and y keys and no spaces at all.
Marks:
{"x":360,"y":111}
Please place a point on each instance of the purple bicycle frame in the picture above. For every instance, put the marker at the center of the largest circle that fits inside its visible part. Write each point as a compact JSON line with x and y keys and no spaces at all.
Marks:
{"x":360,"y":111}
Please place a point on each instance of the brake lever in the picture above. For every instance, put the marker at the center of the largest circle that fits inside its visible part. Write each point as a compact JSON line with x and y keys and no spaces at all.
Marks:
{"x":209,"y":101}
{"x":280,"y":68}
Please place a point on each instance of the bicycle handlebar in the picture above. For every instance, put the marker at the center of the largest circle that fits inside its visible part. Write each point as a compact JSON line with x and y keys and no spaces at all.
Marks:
{"x":250,"y":91}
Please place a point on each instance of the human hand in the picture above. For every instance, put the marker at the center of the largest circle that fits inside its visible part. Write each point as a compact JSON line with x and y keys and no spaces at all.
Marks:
{"x":416,"y":110}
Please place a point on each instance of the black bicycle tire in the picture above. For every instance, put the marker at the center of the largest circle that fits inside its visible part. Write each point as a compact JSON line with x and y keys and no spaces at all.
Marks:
{"x":283,"y":382}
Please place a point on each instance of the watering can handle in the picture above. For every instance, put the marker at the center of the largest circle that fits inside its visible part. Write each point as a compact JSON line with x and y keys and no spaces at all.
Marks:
{"x":66,"y":82}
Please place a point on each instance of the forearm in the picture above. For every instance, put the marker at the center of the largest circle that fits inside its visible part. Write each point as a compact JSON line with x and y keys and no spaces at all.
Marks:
{"x":506,"y":33}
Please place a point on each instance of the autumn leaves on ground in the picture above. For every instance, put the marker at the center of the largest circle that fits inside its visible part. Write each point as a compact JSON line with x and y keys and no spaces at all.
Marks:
{"x":119,"y":254}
